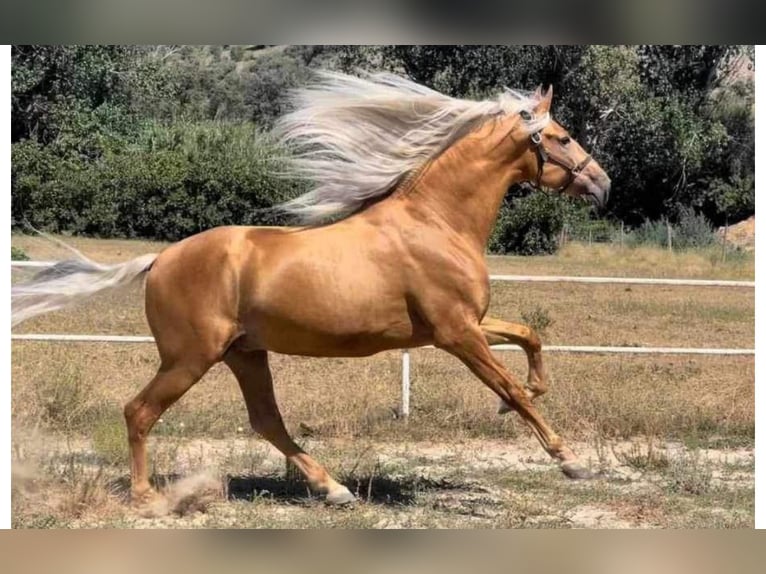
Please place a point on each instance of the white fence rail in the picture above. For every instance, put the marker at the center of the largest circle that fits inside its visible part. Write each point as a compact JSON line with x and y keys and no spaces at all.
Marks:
{"x":617,"y":280}
{"x":549,"y":278}
{"x":32,"y":263}
{"x":405,"y":398}
{"x":547,"y":348}
{"x":81,"y":338}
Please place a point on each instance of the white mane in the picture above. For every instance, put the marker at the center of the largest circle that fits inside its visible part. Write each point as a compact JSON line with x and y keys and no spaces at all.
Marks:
{"x":356,"y":138}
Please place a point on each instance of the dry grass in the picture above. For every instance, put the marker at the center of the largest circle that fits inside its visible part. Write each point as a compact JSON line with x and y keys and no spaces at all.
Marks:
{"x":75,"y":393}
{"x":615,"y":261}
{"x":619,"y":315}
{"x":670,"y":397}
{"x":55,"y":482}
{"x":103,"y":250}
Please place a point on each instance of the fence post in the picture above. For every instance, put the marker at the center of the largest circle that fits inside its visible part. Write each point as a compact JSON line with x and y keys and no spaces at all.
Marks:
{"x":622,"y":232}
{"x":670,"y":237}
{"x":404,"y":411}
{"x":723,"y":246}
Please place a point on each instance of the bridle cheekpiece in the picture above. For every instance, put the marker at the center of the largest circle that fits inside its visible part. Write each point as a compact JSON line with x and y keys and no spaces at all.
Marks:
{"x":543,"y":156}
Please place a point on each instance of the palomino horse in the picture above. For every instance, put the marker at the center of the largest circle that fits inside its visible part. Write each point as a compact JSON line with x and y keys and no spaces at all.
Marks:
{"x":414,"y":180}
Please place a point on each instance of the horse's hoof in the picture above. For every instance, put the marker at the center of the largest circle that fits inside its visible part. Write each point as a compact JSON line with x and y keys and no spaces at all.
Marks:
{"x":149,"y":504}
{"x":503,"y":407}
{"x":576,"y":471}
{"x":340,"y":497}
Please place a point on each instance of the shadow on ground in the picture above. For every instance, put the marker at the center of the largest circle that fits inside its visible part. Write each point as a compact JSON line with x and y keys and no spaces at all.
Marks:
{"x":400,"y":490}
{"x":376,"y":489}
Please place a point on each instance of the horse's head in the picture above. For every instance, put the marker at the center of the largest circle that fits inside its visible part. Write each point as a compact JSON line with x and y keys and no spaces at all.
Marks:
{"x":555,"y":160}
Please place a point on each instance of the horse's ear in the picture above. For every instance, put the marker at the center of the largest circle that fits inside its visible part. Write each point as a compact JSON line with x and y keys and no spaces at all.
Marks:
{"x":544,"y":105}
{"x":539,"y":92}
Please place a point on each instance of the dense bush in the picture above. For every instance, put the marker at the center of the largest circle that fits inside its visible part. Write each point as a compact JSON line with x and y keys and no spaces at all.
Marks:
{"x":170,"y":182}
{"x":593,"y":230}
{"x":531,"y":224}
{"x":691,"y":230}
{"x":18,"y":254}
{"x":649,"y":233}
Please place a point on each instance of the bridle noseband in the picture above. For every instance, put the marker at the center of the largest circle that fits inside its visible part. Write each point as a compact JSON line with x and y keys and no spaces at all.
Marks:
{"x":543,"y":155}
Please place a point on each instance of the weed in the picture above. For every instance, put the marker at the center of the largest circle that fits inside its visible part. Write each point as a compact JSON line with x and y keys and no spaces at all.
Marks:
{"x":66,"y":401}
{"x":539,"y":318}
{"x":18,"y":254}
{"x":643,"y":459}
{"x":600,"y":448}
{"x":36,"y":521}
{"x":526,"y":512}
{"x":247,"y":461}
{"x":689,"y":474}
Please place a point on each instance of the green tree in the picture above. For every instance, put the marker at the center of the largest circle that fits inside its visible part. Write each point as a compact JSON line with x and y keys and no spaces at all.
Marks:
{"x":152,"y":141}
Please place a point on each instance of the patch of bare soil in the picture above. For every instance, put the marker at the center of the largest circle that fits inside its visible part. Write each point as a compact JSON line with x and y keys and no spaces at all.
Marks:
{"x":741,"y":234}
{"x":596,"y":516}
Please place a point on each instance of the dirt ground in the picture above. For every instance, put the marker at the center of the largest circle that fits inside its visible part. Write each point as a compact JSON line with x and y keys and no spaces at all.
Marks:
{"x":243,"y":483}
{"x":741,"y":234}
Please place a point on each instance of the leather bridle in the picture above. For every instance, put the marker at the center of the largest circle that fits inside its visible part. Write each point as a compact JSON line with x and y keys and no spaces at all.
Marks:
{"x":543,"y":156}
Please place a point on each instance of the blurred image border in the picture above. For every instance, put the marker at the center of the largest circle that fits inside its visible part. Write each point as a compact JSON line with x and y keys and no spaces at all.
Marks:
{"x":602,"y":551}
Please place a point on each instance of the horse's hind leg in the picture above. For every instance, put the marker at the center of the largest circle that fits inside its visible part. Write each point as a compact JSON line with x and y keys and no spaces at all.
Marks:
{"x":167,"y":386}
{"x":254,"y":377}
{"x":498,"y":332}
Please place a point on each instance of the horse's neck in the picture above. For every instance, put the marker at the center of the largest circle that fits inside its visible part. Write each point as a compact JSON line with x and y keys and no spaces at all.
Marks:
{"x":464,"y":189}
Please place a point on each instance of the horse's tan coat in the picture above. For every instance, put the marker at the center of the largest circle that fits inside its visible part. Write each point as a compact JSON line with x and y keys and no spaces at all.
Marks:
{"x":408,"y":270}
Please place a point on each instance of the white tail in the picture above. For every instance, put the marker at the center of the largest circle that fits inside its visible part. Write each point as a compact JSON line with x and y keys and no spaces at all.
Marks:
{"x":67,"y":282}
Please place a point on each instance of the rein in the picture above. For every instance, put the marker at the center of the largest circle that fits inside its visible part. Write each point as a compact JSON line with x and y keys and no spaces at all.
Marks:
{"x":543,"y":156}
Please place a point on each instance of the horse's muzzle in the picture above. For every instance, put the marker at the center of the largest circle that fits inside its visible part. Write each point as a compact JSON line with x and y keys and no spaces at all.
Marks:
{"x":598,"y":191}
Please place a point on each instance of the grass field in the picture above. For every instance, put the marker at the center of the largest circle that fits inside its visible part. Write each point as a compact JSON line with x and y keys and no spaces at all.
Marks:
{"x":672,"y":437}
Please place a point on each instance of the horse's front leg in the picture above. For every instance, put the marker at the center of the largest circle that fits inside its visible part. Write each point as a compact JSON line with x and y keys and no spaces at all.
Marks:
{"x":498,"y":332}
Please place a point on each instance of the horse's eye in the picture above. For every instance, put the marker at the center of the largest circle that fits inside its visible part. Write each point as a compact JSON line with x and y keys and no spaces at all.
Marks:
{"x":565,"y":140}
